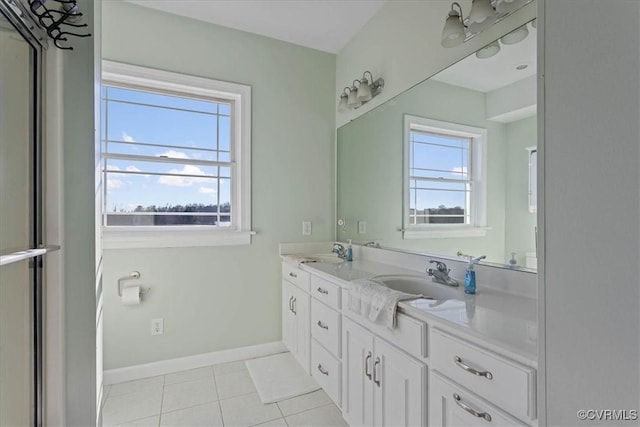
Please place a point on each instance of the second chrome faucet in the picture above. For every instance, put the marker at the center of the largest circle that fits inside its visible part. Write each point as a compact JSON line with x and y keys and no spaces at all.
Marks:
{"x":441,"y":274}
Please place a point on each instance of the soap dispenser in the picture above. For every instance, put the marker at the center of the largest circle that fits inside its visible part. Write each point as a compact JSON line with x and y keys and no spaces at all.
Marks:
{"x":470,"y":278}
{"x":349,"y":252}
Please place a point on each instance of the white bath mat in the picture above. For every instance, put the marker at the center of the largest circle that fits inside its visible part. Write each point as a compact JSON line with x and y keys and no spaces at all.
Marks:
{"x":279,"y":377}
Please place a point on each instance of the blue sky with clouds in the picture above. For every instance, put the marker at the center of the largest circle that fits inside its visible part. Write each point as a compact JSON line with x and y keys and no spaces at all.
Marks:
{"x":190,"y":129}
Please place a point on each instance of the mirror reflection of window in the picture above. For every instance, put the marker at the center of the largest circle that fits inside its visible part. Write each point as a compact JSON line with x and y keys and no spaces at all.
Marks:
{"x":445,"y":165}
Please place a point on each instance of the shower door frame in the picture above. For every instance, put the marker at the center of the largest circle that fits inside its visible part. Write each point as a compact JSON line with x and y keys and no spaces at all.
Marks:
{"x":15,"y":12}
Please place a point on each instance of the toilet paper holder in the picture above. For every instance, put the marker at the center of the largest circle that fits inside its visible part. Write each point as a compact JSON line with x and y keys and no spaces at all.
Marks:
{"x":133,"y":275}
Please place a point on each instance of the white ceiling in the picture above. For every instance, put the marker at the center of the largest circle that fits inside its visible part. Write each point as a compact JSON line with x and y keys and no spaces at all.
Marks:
{"x":485,"y":75}
{"x":325,"y":25}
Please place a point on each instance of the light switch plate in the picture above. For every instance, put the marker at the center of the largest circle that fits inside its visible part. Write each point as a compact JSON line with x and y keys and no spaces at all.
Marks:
{"x":306,"y":228}
{"x":362,"y":227}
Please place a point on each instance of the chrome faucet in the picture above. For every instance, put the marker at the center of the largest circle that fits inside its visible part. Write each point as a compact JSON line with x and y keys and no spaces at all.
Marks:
{"x":373,"y":244}
{"x":340,"y":250}
{"x":441,"y":274}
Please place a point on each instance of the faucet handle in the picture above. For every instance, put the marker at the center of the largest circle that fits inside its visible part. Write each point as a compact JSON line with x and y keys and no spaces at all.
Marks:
{"x":440,"y":266}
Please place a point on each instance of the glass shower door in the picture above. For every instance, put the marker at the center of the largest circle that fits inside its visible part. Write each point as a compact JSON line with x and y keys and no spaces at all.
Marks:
{"x":20,"y":275}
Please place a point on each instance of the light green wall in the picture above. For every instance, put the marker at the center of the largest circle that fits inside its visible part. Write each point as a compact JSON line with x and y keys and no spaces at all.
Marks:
{"x":370,"y":159}
{"x":218,"y":298}
{"x":520,"y":229}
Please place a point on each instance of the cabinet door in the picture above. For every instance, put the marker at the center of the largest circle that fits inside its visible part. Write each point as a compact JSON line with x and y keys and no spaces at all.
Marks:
{"x":288,"y":318}
{"x":302,"y":313}
{"x":451,"y":405}
{"x":399,"y":387}
{"x":357,"y":363}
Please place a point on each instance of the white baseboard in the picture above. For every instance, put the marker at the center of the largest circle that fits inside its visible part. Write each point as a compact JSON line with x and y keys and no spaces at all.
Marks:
{"x":163,"y":367}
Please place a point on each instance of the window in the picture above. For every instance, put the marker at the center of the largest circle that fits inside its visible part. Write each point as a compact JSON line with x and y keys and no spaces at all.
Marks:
{"x":176,"y":159}
{"x":445,"y":189}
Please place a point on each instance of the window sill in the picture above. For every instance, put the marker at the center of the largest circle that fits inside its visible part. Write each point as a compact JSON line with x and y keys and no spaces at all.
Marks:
{"x":171,"y":237}
{"x":444,"y":232}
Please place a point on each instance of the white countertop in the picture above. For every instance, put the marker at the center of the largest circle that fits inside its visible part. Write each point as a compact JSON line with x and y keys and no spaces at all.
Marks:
{"x":497,"y":318}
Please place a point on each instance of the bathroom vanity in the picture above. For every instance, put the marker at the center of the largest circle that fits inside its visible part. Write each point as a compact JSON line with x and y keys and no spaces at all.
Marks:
{"x":458,"y":360}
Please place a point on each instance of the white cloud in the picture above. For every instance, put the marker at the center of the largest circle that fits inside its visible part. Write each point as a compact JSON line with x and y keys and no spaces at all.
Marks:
{"x":207,"y":190}
{"x":127,"y":138}
{"x":174,"y":154}
{"x":183,"y":181}
{"x":113,"y":183}
{"x":133,"y":169}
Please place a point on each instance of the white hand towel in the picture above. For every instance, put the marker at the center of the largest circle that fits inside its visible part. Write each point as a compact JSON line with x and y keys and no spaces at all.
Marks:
{"x":375,"y":301}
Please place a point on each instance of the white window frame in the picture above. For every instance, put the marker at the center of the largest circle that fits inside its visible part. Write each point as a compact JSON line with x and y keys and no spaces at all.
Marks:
{"x":478,"y":155}
{"x":117,"y":237}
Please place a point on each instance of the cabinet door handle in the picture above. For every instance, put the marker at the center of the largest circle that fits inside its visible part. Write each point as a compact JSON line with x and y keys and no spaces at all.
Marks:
{"x":323,"y":291}
{"x":294,"y":275}
{"x":366,"y":365}
{"x":488,"y":375}
{"x":322,"y":325}
{"x":375,"y":374}
{"x":322,"y":371}
{"x":293,"y":305}
{"x":469,"y":409}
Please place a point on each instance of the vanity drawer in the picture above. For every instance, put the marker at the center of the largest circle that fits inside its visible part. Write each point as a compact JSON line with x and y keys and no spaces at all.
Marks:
{"x":298,"y":277}
{"x":409,"y":334}
{"x":452,"y":405}
{"x":325,"y":291}
{"x":325,"y":326}
{"x":507,"y":384}
{"x":327,"y":370}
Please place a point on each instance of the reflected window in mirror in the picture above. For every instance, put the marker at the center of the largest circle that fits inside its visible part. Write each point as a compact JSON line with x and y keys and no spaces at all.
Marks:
{"x":445,"y":191}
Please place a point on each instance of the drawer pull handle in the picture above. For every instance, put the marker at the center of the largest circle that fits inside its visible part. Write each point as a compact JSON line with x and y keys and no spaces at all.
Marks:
{"x":366,"y":365}
{"x":323,"y":291}
{"x":293,"y":305}
{"x":294,"y":275}
{"x":322,"y":325}
{"x":488,"y":375}
{"x":375,"y":375}
{"x":469,"y":409}
{"x":322,"y":371}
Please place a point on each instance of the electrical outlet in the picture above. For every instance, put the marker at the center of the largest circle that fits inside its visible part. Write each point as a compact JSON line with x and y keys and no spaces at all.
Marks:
{"x":362,"y":227}
{"x":306,"y":228}
{"x":157,"y":326}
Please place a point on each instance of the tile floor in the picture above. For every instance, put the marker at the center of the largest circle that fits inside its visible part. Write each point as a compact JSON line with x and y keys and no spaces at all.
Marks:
{"x":219,"y":395}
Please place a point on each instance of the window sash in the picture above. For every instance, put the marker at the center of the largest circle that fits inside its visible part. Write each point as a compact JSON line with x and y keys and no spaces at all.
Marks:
{"x":107,"y":155}
{"x":431,"y":177}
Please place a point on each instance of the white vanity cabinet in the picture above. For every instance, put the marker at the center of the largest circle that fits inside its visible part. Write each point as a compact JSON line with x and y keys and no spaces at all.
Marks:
{"x":296,"y":304}
{"x":382,"y":386}
{"x":326,"y":336}
{"x":471,"y":371}
{"x":451,"y":405}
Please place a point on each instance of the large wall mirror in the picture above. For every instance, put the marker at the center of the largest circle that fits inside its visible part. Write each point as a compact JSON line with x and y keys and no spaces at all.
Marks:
{"x":449,"y":165}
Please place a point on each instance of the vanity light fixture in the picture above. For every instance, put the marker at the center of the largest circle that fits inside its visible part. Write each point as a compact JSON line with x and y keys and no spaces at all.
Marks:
{"x":360,"y":92}
{"x":483,"y":14}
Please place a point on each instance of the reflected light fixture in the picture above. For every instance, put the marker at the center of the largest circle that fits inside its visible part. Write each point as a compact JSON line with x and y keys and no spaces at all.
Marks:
{"x":515,"y":36}
{"x":483,"y":14}
{"x":488,"y":51}
{"x":361,"y":91}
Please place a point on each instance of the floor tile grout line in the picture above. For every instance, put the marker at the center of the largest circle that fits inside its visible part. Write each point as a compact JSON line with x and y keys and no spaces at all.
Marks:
{"x":281,"y":413}
{"x":215,"y":385}
{"x":311,"y":409}
{"x":164,"y":380}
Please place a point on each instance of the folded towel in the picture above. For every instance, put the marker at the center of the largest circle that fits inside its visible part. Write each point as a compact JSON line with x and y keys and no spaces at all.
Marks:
{"x":375,"y":301}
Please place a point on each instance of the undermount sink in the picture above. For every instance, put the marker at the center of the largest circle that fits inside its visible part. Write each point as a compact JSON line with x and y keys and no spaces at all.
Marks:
{"x":414,"y":284}
{"x":324,"y":258}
